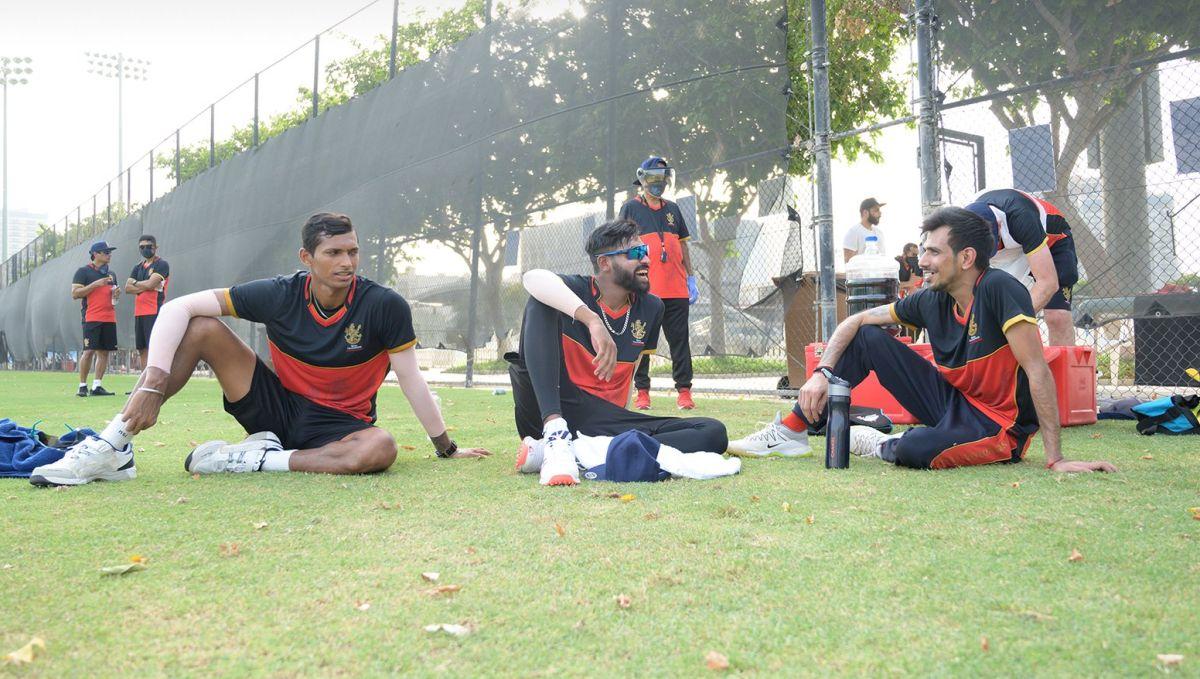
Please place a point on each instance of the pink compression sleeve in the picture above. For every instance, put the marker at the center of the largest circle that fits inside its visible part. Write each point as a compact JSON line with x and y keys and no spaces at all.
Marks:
{"x":547,"y":288}
{"x":172,"y":323}
{"x":404,"y":364}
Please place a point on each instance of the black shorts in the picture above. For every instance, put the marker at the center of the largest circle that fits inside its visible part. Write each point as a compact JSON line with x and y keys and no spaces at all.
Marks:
{"x":1066,"y":265}
{"x":100,"y":335}
{"x":298,"y":422}
{"x":142,"y":325}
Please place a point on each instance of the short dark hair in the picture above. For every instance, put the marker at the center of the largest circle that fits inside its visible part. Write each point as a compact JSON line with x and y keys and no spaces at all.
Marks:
{"x":967,"y":230}
{"x":609,"y":236}
{"x":321,"y":226}
{"x":148,"y":238}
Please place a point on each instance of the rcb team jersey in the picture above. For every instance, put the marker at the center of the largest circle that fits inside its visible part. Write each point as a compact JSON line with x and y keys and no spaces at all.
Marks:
{"x":971,"y":350}
{"x":634,"y":330}
{"x":337,"y":362}
{"x":98,"y":305}
{"x":149,"y":302}
{"x":663,"y":230}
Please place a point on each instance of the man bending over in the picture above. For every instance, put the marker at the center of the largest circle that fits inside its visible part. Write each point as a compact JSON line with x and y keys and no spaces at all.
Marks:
{"x":991,"y":387}
{"x":333,"y":337}
{"x":581,"y":340}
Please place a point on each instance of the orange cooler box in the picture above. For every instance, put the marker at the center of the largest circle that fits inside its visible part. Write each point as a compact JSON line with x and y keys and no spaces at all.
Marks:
{"x":1074,"y":370}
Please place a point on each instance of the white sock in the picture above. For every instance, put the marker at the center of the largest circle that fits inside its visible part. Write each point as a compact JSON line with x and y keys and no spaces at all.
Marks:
{"x":83,"y":385}
{"x":276,"y":461}
{"x":115,"y":433}
{"x":95,"y":384}
{"x":555,"y":429}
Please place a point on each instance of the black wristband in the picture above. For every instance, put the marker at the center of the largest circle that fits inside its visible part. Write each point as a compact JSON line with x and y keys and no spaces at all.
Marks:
{"x":448,"y":452}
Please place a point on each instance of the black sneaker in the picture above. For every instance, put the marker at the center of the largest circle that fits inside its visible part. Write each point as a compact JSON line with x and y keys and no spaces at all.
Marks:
{"x":101,"y":391}
{"x":82,"y":391}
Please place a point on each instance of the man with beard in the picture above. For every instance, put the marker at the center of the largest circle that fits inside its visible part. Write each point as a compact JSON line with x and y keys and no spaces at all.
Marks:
{"x":581,"y":340}
{"x":855,"y":242}
{"x":990,"y":389}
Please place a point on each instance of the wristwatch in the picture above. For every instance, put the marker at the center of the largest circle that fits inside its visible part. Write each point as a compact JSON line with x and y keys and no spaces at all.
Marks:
{"x":448,"y":452}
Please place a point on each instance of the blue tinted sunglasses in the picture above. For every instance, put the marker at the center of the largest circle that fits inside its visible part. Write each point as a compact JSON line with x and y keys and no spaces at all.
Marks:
{"x":636,"y":252}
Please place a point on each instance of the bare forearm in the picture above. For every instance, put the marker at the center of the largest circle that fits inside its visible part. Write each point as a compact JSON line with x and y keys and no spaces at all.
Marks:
{"x":1041,"y":293}
{"x":687,"y":259}
{"x":842,"y":336}
{"x":1045,"y":403}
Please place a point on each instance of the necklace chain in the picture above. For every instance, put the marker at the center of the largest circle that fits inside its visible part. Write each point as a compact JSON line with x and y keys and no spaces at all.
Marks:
{"x":604,"y":317}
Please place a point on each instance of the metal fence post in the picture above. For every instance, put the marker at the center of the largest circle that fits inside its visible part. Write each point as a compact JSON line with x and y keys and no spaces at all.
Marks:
{"x":931,"y":185}
{"x":108,"y":210}
{"x":821,"y":153}
{"x":610,"y":173}
{"x":473,"y":299}
{"x":151,"y":175}
{"x":128,"y":192}
{"x":395,"y":28}
{"x":316,"y":101}
{"x":255,"y":109}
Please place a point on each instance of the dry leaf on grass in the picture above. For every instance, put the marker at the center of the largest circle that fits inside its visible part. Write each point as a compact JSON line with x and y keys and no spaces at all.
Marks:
{"x":362,"y":605}
{"x":181,"y":501}
{"x":623,"y":601}
{"x":409,"y":447}
{"x":754,"y":498}
{"x":6,"y":566}
{"x":1170,"y":659}
{"x":716,"y":661}
{"x":787,"y":507}
{"x":441,"y":590}
{"x":1039,"y":617}
{"x":387,"y":505}
{"x":810,"y":520}
{"x":138,"y":558}
{"x":430,"y":576}
{"x":451,"y":629}
{"x":627,"y":497}
{"x":159,"y":444}
{"x":1147,"y":457}
{"x":1016,"y":484}
{"x":230,"y":549}
{"x":195,"y":477}
{"x":1195,"y":512}
{"x":1097,"y":436}
{"x":193,"y":444}
{"x":26,"y":654}
{"x":558,"y":528}
{"x":122,"y":569}
{"x":1075,"y":556}
{"x":261,"y":525}
{"x":983,"y":643}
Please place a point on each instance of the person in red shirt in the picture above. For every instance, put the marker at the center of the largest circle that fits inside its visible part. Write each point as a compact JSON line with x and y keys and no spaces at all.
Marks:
{"x":662,"y":228}
{"x":97,"y":289}
{"x":148,"y":280}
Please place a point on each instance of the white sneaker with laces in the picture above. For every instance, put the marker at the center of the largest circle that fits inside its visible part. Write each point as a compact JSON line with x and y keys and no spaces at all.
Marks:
{"x":215,"y":457}
{"x":866,"y":441}
{"x":773,"y":440}
{"x":558,"y":462}
{"x":92,"y":459}
{"x":529,"y":456}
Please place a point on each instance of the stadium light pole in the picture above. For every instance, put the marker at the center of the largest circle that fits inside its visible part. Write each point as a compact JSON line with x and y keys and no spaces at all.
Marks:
{"x":11,"y":73}
{"x":121,"y":68}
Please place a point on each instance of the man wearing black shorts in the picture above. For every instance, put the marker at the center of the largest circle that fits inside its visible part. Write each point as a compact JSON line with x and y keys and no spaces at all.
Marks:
{"x":581,"y":341}
{"x":97,"y":288}
{"x":989,"y":389}
{"x":148,"y":280}
{"x":333,"y":338}
{"x":1034,"y":244}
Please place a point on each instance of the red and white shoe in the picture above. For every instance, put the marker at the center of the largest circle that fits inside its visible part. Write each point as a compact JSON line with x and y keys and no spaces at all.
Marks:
{"x":558,"y":462}
{"x":529,"y":456}
{"x":684,"y":400}
{"x":643,"y":399}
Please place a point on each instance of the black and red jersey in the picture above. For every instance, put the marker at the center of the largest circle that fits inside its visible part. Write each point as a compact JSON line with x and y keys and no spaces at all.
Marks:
{"x":634,"y":330}
{"x":971,"y":350}
{"x":663,"y":230}
{"x":149,"y":302}
{"x":98,"y":305}
{"x":1026,"y":222}
{"x":338,"y":362}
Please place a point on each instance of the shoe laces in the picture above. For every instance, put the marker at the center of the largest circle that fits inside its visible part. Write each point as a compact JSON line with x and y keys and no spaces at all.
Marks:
{"x":769,"y":433}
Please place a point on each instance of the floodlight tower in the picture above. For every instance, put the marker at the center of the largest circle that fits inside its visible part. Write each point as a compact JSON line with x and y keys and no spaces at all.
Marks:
{"x":121,"y":68}
{"x":12,"y":72}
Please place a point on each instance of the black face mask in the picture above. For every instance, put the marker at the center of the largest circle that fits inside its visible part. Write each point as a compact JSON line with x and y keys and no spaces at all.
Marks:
{"x":912,"y":263}
{"x":147,"y":251}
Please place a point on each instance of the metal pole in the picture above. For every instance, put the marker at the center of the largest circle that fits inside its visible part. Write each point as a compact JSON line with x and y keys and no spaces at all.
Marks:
{"x":316,"y":73}
{"x":212,"y":135}
{"x":256,"y":109}
{"x":178,"y":179}
{"x":931,"y":184}
{"x":4,"y":236}
{"x":821,"y":149}
{"x":395,"y":29}
{"x":108,"y":210}
{"x":120,"y":117}
{"x":477,"y":235}
{"x":128,"y":192}
{"x":610,"y":145}
{"x":151,"y":175}
{"x":93,"y":224}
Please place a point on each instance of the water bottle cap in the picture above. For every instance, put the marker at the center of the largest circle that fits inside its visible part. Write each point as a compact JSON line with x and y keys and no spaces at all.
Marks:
{"x":872,"y":238}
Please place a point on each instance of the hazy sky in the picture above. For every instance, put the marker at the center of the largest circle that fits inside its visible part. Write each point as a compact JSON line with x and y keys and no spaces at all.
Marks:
{"x":62,"y":127}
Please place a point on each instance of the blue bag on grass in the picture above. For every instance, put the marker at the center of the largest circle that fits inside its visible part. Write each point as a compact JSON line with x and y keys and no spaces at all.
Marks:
{"x":23,"y":449}
{"x":1168,"y":415}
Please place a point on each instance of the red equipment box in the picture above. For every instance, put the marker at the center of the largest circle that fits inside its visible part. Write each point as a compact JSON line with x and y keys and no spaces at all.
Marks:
{"x":1074,"y":370}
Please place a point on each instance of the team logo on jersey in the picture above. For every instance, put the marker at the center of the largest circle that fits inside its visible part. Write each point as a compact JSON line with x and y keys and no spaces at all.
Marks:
{"x":638,"y":329}
{"x":972,"y":331}
{"x":353,"y":336}
{"x":670,"y":219}
{"x":85,"y":342}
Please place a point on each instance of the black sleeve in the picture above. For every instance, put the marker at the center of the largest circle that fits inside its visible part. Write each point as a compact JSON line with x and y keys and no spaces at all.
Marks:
{"x":80,"y":276}
{"x":626,"y":212}
{"x":396,"y":323}
{"x":133,"y":273}
{"x":1025,"y":224}
{"x":681,"y":224}
{"x":259,"y":300}
{"x":905,"y":274}
{"x":654,"y":328}
{"x":161,"y":268}
{"x":580,"y":285}
{"x":912,"y":309}
{"x":1006,"y":299}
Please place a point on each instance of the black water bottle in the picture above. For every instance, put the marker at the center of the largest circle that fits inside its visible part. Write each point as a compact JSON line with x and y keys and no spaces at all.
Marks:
{"x":837,"y":422}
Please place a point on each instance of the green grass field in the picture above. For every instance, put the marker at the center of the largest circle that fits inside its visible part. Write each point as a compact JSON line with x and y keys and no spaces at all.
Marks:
{"x":786,"y":569}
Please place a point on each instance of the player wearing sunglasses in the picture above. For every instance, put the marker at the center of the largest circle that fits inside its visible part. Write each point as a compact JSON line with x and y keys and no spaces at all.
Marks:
{"x":581,"y":340}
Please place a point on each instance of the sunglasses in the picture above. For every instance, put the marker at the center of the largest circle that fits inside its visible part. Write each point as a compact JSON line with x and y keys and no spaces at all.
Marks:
{"x":636,"y":252}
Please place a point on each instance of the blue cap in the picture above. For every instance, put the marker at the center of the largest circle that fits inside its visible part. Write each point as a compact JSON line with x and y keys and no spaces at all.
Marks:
{"x":100,"y":246}
{"x":632,"y":456}
{"x":984,"y":211}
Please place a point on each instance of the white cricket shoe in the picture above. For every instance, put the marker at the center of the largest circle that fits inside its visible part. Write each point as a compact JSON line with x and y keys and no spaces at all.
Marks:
{"x":773,"y":440}
{"x":215,"y":457}
{"x":558,"y":462}
{"x":866,"y":441}
{"x":92,"y":459}
{"x":529,"y":455}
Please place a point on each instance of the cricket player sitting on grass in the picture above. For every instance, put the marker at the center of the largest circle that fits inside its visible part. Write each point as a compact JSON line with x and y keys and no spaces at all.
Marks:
{"x":333,"y":338}
{"x":990,"y":389}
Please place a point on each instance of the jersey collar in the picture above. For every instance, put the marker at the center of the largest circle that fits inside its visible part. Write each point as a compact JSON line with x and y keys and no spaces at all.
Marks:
{"x":312,"y":308}
{"x":604,"y":307}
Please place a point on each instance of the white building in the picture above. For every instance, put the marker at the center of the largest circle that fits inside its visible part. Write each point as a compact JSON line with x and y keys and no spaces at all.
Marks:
{"x":22,"y":228}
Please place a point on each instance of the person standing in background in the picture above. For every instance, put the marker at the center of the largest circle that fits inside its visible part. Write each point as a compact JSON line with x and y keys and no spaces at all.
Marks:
{"x":663,"y":230}
{"x":855,"y":242}
{"x":148,"y":281}
{"x":911,"y":276}
{"x":97,"y":289}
